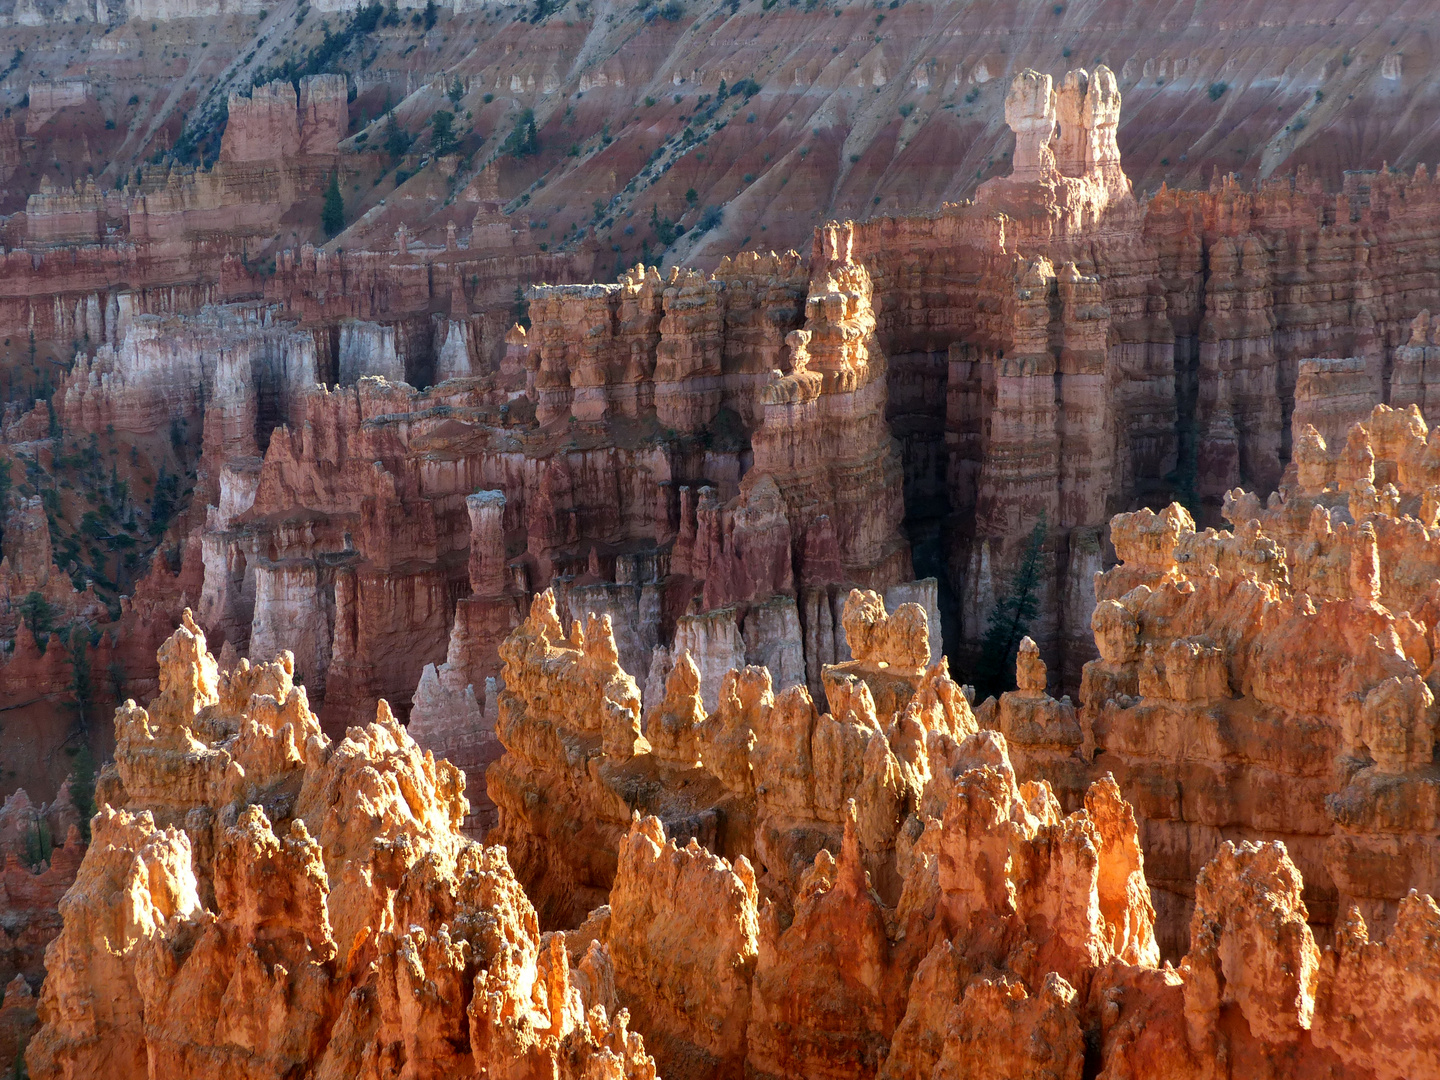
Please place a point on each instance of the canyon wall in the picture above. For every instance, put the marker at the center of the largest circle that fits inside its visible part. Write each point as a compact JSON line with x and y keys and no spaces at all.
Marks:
{"x":1059,"y":348}
{"x":594,"y":532}
{"x":668,"y":448}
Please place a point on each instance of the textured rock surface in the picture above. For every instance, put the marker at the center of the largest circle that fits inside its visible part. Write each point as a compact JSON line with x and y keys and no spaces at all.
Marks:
{"x":919,"y":394}
{"x":260,"y":899}
{"x":361,"y":544}
{"x":864,"y":892}
{"x":1272,"y":680}
{"x":948,"y":921}
{"x":346,"y":448}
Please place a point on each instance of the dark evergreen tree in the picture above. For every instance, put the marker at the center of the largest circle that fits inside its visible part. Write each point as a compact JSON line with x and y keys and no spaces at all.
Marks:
{"x":1010,"y":621}
{"x":525,"y":139}
{"x":82,"y":788}
{"x":442,"y":138}
{"x":80,"y":683}
{"x":520,"y":309}
{"x":397,"y":139}
{"x":36,"y":613}
{"x":332,"y":217}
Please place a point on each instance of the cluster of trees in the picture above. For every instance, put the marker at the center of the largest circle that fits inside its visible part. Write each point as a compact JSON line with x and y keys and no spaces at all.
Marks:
{"x":524,"y":140}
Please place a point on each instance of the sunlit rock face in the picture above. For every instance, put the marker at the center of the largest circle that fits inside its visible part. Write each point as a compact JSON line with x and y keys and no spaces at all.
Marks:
{"x":262,"y":899}
{"x":871,"y":891}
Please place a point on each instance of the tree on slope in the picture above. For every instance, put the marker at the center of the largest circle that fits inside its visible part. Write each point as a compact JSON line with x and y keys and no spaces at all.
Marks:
{"x":332,"y":217}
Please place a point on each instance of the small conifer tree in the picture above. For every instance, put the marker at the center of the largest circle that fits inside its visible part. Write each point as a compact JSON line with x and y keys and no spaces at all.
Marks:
{"x":82,"y":788}
{"x":332,"y":217}
{"x":1010,"y":621}
{"x":442,"y":138}
{"x":397,"y":140}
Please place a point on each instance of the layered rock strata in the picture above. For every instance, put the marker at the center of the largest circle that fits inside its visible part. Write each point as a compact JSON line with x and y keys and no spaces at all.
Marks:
{"x":1181,"y":333}
{"x":1165,"y":324}
{"x":704,"y":458}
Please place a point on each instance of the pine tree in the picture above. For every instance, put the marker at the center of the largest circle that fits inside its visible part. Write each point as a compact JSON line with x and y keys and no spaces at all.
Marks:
{"x":332,"y":217}
{"x":1010,"y":621}
{"x":80,"y":684}
{"x":524,"y":140}
{"x":82,"y":788}
{"x":397,"y":140}
{"x":520,"y":308}
{"x":442,"y":140}
{"x":36,"y":613}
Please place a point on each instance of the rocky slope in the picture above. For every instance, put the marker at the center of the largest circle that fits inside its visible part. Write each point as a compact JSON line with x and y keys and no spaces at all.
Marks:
{"x":855,"y":108}
{"x":605,"y":529}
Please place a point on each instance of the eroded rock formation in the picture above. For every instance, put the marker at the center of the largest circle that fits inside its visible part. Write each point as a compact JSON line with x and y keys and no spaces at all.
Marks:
{"x":761,"y":890}
{"x":613,"y":555}
{"x":261,"y":899}
{"x":948,"y":921}
{"x":1057,"y":349}
{"x":653,"y":449}
{"x":1272,"y":680}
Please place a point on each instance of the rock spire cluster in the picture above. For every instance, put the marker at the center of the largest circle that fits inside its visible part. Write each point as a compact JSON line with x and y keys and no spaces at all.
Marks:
{"x":638,"y":577}
{"x":760,"y":890}
{"x":261,"y":900}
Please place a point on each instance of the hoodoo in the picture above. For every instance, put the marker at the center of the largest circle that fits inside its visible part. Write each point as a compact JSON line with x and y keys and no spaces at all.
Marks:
{"x":718,"y":539}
